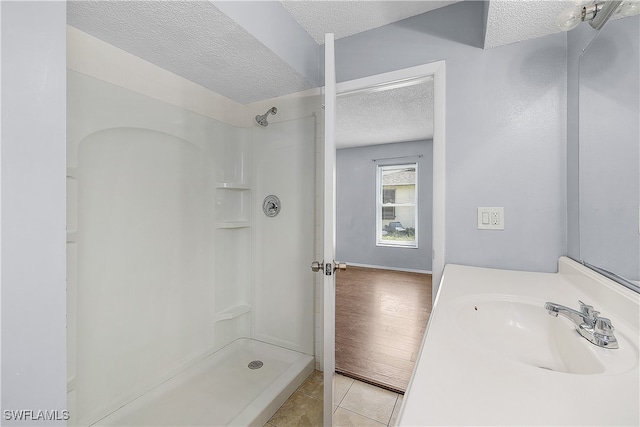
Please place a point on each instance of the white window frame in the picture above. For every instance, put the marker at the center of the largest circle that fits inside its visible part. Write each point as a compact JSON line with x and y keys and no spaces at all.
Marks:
{"x":380,"y":205}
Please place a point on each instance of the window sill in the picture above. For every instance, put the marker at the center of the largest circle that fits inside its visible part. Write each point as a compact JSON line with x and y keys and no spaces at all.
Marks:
{"x":396,"y":245}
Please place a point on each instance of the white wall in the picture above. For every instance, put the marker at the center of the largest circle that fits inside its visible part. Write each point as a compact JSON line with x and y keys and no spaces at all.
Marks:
{"x":356,"y":206}
{"x":33,"y":208}
{"x":505,"y":130}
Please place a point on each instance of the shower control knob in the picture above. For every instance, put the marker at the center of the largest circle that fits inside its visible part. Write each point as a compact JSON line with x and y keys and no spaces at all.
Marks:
{"x":317,"y":266}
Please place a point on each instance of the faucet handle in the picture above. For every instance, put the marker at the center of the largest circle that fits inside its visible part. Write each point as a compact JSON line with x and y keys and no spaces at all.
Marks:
{"x":588,"y":311}
{"x":603,"y":333}
{"x":604,"y":327}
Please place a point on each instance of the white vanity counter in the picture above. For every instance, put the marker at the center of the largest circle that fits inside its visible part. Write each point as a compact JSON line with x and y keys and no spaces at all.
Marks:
{"x":492,"y":355}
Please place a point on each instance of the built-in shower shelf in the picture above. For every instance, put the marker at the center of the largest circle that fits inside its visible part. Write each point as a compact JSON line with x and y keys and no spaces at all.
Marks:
{"x":233,"y":312}
{"x":233,"y":186}
{"x":233,"y":224}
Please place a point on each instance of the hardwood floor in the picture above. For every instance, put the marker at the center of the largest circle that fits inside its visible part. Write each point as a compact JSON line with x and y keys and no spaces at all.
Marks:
{"x":381,"y":317}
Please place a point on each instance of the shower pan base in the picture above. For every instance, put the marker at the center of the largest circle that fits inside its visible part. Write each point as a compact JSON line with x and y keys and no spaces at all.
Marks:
{"x":221,"y":389}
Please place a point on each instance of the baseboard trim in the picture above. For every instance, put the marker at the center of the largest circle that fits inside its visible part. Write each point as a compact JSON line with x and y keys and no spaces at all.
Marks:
{"x":381,"y":267}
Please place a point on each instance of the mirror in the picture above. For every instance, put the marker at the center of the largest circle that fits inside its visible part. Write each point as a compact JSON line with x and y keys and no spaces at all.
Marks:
{"x":609,"y":152}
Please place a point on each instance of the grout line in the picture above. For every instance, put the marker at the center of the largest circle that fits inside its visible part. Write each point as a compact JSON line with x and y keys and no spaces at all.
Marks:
{"x":394,"y":403}
{"x":308,"y":395}
{"x":392,"y":410}
{"x":347,"y":392}
{"x":299,"y":389}
{"x":354,"y":412}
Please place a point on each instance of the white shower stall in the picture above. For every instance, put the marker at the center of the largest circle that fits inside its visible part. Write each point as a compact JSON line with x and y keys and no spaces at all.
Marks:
{"x":177,"y":279}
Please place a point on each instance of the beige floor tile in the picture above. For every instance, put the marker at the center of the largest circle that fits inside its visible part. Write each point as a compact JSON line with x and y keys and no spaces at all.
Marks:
{"x":341,"y":385}
{"x":370,"y":401}
{"x":344,"y":418}
{"x":300,"y":410}
{"x":313,"y":385}
{"x":396,"y":410}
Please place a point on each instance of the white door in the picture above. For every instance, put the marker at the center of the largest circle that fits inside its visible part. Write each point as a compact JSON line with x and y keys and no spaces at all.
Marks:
{"x":329,"y":227}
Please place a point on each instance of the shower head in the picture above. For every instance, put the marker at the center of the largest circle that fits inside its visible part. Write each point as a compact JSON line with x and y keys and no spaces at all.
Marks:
{"x":262,"y":119}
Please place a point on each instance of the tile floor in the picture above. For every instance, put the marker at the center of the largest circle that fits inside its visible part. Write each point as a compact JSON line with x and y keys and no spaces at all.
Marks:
{"x":355,"y":404}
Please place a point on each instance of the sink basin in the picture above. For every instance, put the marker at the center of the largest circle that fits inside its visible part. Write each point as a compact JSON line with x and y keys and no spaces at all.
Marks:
{"x":521,"y":330}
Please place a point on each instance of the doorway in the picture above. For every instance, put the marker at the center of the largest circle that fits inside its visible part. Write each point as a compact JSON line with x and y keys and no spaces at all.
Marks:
{"x":383,"y":300}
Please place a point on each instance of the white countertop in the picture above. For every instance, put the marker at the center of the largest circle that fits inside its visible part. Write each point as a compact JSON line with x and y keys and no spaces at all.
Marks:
{"x":459,"y":380}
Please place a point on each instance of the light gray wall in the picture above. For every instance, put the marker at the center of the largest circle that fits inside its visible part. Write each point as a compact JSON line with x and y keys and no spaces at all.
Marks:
{"x":609,"y":148}
{"x":356,"y":206}
{"x":33,"y":207}
{"x":505,"y":130}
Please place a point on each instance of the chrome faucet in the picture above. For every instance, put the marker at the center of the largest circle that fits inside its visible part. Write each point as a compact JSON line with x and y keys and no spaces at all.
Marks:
{"x":598,"y":330}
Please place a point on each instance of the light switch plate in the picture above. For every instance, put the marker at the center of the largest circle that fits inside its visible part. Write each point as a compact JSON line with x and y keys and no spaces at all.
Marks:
{"x":490,"y":218}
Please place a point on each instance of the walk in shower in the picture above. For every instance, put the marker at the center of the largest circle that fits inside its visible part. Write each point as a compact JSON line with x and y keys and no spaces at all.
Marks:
{"x":178,"y":283}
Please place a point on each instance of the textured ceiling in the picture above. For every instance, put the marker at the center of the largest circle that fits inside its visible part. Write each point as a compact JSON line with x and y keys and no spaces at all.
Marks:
{"x":345,"y":18}
{"x":385,"y":116}
{"x":511,"y":21}
{"x":194,"y":40}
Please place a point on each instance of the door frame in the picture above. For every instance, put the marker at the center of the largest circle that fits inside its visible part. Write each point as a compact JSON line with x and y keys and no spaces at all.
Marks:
{"x":437,"y":70}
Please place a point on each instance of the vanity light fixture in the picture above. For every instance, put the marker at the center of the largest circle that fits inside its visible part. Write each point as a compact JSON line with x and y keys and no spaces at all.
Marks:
{"x":569,"y":19}
{"x":601,"y":16}
{"x":597,"y":13}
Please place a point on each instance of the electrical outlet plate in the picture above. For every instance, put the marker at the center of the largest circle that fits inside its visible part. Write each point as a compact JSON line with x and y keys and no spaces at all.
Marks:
{"x":490,"y":218}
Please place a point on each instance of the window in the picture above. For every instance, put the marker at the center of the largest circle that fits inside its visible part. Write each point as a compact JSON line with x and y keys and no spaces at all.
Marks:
{"x":397,"y":205}
{"x":388,"y":196}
